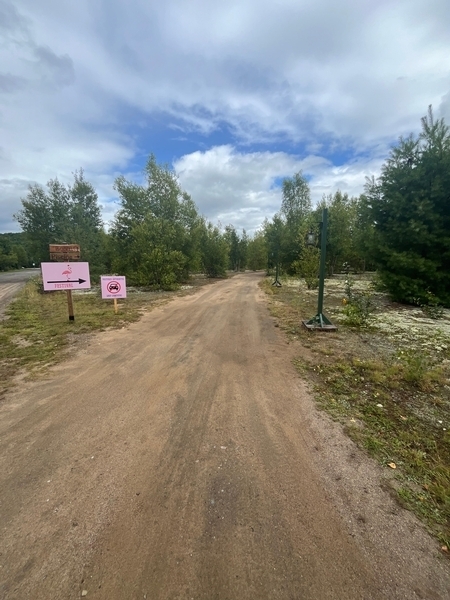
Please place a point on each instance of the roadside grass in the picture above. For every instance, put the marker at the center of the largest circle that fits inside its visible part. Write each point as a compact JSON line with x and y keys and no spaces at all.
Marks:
{"x":388,"y":384}
{"x":36,"y":332}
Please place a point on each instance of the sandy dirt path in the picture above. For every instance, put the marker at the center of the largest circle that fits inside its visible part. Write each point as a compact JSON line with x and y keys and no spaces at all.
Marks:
{"x":178,"y":459}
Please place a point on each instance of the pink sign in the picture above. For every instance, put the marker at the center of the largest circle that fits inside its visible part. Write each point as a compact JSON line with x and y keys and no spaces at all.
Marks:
{"x":65,"y":276}
{"x":113,"y":286}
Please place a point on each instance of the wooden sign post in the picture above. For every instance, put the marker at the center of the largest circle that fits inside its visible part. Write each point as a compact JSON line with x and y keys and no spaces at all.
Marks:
{"x":69,"y":254}
{"x":70,"y":305}
{"x":66,"y":253}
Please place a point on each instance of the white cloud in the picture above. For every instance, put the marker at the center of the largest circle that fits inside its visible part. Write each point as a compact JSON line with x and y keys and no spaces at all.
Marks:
{"x":234,"y":187}
{"x":297,"y":76}
{"x":229,"y":186}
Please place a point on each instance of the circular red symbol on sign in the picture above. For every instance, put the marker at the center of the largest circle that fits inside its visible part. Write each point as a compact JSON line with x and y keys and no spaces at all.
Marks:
{"x":113,"y":287}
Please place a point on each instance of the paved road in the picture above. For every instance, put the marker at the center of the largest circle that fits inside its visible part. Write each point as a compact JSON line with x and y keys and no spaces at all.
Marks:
{"x":175,"y":460}
{"x":10,"y":284}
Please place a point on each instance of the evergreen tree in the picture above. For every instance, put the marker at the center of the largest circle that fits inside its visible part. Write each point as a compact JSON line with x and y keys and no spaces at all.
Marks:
{"x":410,"y":209}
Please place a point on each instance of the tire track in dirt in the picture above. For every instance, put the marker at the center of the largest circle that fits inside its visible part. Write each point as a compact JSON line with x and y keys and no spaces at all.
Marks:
{"x":175,"y":459}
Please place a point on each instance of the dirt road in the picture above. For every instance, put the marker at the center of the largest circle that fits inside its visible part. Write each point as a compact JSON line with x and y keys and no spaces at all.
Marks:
{"x":10,"y":284}
{"x":181,"y":458}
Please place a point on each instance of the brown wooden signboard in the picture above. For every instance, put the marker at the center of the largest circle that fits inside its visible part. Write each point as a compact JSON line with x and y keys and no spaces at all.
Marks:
{"x":64,"y":252}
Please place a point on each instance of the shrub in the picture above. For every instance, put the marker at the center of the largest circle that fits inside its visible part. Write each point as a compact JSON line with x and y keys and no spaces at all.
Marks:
{"x":308,"y":267}
{"x":430,"y":306}
{"x":359,"y":306}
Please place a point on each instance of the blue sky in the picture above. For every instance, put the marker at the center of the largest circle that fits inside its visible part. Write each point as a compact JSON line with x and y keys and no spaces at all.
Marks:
{"x":234,"y":96}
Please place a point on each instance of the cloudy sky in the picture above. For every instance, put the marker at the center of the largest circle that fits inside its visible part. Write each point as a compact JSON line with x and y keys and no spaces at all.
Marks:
{"x":234,"y":95}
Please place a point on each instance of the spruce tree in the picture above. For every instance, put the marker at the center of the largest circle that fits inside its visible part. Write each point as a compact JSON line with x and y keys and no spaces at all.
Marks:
{"x":410,"y":209}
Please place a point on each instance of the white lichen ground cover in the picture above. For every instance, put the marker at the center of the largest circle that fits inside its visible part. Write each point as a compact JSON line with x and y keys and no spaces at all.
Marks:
{"x":402,"y":333}
{"x":397,"y":322}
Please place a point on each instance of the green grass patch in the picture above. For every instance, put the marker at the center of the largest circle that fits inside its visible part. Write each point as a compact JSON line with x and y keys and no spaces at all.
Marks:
{"x":388,"y":385}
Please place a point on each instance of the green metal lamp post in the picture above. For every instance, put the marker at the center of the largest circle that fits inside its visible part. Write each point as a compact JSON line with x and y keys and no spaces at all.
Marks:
{"x":320,"y":321}
{"x":277,"y":282}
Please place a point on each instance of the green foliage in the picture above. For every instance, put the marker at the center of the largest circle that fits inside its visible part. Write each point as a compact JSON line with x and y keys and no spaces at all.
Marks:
{"x":160,"y":269}
{"x":156,"y":234}
{"x":85,"y":226}
{"x":294,"y":214}
{"x":237,"y":248}
{"x":308,"y":267}
{"x":342,"y":215}
{"x":409,"y":208}
{"x":285,"y":244}
{"x":151,"y":258}
{"x":8,"y":260}
{"x":359,"y":306}
{"x":274,"y":233}
{"x":257,"y":252}
{"x":363,"y":235}
{"x":284,"y":235}
{"x":14,"y":251}
{"x":63,"y":213}
{"x":214,"y":248}
{"x":415,"y":367}
{"x":296,"y":203}
{"x":431,"y":307}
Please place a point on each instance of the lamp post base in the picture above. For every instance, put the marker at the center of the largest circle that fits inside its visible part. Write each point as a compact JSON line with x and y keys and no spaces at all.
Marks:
{"x":320,"y":322}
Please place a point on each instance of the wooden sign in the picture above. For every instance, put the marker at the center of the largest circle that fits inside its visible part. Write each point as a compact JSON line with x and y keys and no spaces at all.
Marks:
{"x":64,"y":252}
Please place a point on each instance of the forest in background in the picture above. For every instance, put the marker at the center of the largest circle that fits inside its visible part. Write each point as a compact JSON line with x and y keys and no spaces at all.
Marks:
{"x":399,"y":226}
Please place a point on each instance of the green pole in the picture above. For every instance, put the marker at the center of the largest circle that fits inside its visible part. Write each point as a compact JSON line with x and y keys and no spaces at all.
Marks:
{"x":323,"y":252}
{"x":320,"y":321}
{"x":277,"y":282}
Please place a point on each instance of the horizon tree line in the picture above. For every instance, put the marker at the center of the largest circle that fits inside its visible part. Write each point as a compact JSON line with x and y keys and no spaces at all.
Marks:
{"x":399,"y":226}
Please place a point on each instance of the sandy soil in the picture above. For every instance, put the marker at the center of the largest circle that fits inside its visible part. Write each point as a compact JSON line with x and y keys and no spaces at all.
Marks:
{"x":183,"y":458}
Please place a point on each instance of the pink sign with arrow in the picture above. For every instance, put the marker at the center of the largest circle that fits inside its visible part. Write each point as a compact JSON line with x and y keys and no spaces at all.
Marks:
{"x":65,"y":276}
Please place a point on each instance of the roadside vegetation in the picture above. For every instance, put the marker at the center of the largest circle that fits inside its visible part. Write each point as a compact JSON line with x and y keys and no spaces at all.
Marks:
{"x":35,"y":332}
{"x":386,"y":379}
{"x":156,"y":239}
